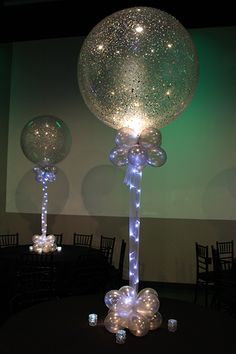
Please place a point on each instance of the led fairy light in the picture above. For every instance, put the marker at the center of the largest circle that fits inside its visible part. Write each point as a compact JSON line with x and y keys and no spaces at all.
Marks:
{"x":44,"y":209}
{"x":137,"y":72}
{"x":44,"y":243}
{"x":45,"y":140}
{"x":134,"y":227}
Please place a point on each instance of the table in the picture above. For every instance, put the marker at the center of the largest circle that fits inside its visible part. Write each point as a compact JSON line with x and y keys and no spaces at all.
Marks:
{"x":69,"y":253}
{"x":74,"y":265}
{"x":61,"y":327}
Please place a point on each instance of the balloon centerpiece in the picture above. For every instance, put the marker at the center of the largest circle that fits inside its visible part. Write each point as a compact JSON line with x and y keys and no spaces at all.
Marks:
{"x":137,"y":71}
{"x":45,"y":140}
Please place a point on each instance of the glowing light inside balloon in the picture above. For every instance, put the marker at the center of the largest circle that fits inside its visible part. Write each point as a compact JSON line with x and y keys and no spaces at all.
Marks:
{"x":138,"y":68}
{"x":45,"y":140}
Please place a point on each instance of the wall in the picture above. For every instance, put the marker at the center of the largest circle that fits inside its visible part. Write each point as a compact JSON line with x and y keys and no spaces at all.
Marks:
{"x":167,"y":244}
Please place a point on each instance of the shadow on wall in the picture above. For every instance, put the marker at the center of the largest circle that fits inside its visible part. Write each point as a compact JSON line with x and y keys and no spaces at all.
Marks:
{"x":100,"y":192}
{"x":219,"y":198}
{"x":28,"y":197}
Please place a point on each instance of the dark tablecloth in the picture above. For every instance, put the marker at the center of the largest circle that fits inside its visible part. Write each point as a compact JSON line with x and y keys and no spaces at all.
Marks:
{"x":61,"y":327}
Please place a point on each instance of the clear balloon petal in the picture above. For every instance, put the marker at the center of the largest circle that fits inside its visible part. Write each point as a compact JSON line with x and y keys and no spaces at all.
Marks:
{"x":138,"y":325}
{"x":147,"y":305}
{"x":155,"y":321}
{"x":137,"y":156}
{"x":119,"y":156}
{"x":112,"y":322}
{"x":156,"y":157}
{"x":111,"y":298}
{"x":126,"y":137}
{"x":150,"y":137}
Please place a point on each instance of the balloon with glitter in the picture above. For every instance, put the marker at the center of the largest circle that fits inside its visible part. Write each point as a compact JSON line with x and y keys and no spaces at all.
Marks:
{"x":138,"y":68}
{"x":45,"y":140}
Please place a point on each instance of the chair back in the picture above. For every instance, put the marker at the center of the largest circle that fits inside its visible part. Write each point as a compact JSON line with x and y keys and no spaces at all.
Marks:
{"x":204,"y":276}
{"x":202,"y":259}
{"x":122,"y":256}
{"x":225,"y":251}
{"x":9,"y":240}
{"x":35,"y":280}
{"x":36,"y":272}
{"x":107,"y":247}
{"x":58,"y":238}
{"x":84,"y":240}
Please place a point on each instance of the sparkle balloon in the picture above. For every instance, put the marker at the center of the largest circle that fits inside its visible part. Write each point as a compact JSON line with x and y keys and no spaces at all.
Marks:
{"x":45,"y":140}
{"x":138,"y":68}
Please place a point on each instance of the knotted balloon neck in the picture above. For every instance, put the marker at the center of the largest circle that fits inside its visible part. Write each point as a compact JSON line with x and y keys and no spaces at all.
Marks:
{"x":45,"y":174}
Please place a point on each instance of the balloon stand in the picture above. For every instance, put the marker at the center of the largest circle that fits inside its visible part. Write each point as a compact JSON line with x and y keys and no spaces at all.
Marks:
{"x":45,"y":140}
{"x":43,"y":243}
{"x":128,"y":308}
{"x":137,"y":72}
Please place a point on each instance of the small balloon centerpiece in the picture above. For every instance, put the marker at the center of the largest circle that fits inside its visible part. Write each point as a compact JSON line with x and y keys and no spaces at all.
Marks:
{"x":137,"y":71}
{"x":45,"y":141}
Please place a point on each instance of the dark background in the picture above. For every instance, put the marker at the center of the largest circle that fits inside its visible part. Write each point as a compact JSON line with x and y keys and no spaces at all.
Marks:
{"x":38,"y":19}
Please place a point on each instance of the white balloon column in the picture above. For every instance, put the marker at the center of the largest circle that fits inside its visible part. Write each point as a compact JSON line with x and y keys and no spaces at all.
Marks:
{"x":137,"y":71}
{"x":45,"y":140}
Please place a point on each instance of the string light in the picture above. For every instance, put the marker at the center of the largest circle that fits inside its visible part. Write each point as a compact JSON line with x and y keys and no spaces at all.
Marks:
{"x":127,"y":308}
{"x":44,"y":243}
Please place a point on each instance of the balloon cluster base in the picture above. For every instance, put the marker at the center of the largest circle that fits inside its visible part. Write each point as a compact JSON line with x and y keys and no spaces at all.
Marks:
{"x":138,"y":312}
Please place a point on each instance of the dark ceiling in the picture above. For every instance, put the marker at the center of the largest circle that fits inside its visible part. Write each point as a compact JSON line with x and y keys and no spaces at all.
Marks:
{"x":38,"y":19}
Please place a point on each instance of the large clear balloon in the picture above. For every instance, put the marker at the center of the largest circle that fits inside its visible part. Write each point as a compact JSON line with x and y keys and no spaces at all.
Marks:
{"x":138,"y":68}
{"x":45,"y":140}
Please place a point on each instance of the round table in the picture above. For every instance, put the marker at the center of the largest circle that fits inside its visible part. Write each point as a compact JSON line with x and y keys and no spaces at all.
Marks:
{"x":61,"y":327}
